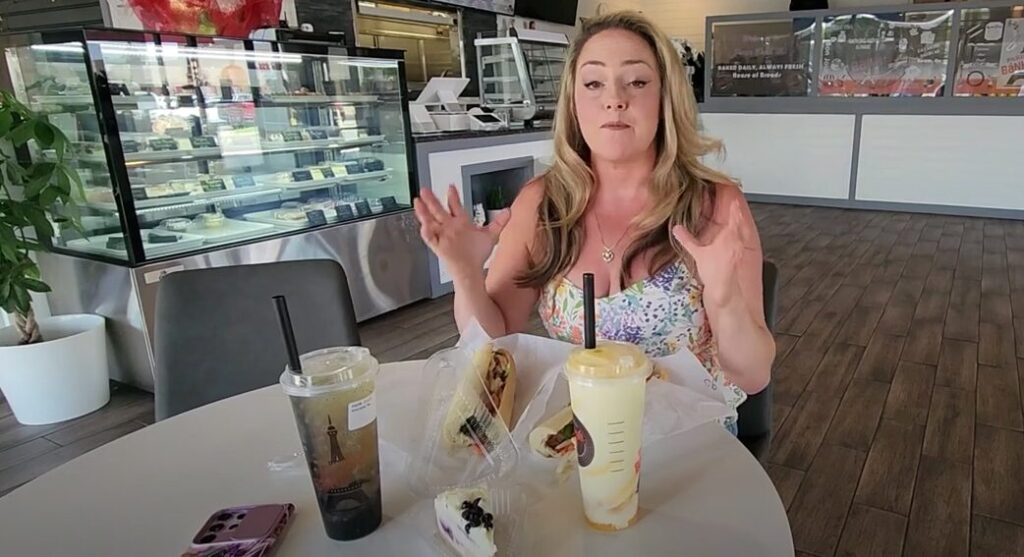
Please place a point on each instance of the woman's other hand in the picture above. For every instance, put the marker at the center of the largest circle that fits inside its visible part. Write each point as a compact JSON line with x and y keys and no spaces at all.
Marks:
{"x":451,"y":234}
{"x":718,"y":257}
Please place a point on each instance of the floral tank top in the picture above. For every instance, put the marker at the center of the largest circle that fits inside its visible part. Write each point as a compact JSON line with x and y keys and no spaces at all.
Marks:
{"x":661,"y":314}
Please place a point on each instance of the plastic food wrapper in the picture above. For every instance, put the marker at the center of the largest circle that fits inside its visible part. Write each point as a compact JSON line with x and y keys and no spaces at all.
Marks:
{"x":434,"y":464}
{"x":686,"y":398}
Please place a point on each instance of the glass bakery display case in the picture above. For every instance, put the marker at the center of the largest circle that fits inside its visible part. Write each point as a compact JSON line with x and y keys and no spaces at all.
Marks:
{"x":522,"y":72}
{"x":187,"y":143}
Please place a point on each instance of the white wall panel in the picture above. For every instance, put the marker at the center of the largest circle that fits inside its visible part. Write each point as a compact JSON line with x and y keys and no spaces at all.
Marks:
{"x":806,"y":155}
{"x":969,"y":161}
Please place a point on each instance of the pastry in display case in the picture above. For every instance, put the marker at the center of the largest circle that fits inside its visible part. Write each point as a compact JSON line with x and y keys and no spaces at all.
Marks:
{"x":187,"y":143}
{"x":522,"y":72}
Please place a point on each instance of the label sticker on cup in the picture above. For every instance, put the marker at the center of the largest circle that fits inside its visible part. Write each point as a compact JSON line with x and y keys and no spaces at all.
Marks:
{"x":362,"y":413}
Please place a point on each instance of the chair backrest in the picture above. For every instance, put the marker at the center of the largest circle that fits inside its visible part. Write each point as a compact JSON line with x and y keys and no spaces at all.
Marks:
{"x":754,"y":420}
{"x":770,"y":291}
{"x":217,"y":333}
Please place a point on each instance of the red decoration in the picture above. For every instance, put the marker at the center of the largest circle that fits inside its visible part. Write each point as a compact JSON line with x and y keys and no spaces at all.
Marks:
{"x":230,"y":18}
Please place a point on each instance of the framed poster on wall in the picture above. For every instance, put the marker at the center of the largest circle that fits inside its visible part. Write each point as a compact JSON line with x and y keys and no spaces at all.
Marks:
{"x":991,"y":53}
{"x":885,"y":55}
{"x":762,"y":58}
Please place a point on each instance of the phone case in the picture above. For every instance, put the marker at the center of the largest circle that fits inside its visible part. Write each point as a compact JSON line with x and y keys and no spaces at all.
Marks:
{"x":252,"y":531}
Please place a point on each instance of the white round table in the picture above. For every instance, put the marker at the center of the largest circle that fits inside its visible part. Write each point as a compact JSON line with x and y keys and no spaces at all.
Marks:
{"x":148,"y":493}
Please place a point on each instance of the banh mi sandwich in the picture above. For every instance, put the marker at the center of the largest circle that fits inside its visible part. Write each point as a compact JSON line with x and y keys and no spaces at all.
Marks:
{"x":486,"y":393}
{"x":555,"y":436}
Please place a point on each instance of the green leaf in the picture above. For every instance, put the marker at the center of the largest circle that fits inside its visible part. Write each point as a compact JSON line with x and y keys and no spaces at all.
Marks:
{"x":60,"y":144}
{"x":5,"y":290}
{"x":31,"y":270}
{"x":63,"y":181}
{"x":6,"y":119}
{"x":37,"y":217}
{"x":22,"y":300}
{"x":35,"y":186}
{"x":9,"y":252}
{"x":12,"y":214}
{"x":49,"y":196}
{"x":45,"y":133}
{"x":22,"y":133}
{"x":34,"y":285}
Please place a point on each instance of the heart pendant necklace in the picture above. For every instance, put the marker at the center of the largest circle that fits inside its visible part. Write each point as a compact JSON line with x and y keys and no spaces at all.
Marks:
{"x":608,"y":252}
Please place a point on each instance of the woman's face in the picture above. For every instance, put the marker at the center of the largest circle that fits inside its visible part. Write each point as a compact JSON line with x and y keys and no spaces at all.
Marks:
{"x":617,"y":95}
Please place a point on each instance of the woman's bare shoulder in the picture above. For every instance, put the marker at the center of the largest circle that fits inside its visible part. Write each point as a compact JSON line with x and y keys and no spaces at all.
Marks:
{"x":728,"y":194}
{"x":530,"y":195}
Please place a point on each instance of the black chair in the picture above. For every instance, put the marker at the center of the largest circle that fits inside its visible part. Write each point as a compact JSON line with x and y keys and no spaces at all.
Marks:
{"x":754,"y":421}
{"x":217,"y":332}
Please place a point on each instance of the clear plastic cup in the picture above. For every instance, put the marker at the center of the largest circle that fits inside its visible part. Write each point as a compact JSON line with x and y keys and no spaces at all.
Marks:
{"x":334,"y":402}
{"x":607,"y":386}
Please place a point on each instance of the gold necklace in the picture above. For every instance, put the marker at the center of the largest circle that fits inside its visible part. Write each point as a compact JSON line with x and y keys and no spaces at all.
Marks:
{"x":608,"y":253}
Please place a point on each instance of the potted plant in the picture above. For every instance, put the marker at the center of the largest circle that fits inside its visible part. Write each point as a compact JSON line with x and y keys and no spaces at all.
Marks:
{"x":51,"y":369}
{"x":495,"y":202}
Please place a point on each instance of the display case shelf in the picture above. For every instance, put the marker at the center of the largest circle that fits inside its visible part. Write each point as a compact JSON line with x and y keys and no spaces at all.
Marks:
{"x":186,"y":155}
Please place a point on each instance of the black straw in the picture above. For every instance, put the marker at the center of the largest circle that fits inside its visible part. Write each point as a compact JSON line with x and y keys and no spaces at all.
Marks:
{"x":289,"y":335}
{"x":589,"y":327}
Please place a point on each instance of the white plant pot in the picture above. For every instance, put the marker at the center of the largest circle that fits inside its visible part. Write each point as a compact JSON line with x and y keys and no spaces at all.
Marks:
{"x":64,"y":377}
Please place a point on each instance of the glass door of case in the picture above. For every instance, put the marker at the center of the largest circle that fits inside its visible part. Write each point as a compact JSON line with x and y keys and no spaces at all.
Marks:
{"x":53,"y":79}
{"x":225,"y":141}
{"x":546,"y":63}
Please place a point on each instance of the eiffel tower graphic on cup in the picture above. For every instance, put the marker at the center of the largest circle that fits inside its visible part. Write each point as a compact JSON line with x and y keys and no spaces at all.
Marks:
{"x":332,"y":434}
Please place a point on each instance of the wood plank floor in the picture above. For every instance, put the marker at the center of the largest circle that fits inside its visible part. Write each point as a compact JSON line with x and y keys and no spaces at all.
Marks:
{"x":899,"y":421}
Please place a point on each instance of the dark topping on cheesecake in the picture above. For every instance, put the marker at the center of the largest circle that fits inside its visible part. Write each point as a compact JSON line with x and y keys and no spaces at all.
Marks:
{"x":475,"y":516}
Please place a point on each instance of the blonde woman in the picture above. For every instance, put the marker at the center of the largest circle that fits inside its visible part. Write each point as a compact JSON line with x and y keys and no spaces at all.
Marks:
{"x":671,"y":242}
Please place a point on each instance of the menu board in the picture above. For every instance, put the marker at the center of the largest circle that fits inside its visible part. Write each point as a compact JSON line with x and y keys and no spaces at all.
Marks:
{"x":991,"y":52}
{"x":901,"y":54}
{"x":292,"y":135}
{"x":762,"y":58}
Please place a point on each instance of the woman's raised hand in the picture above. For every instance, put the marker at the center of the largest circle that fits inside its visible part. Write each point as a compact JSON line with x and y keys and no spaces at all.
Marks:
{"x":451,"y":234}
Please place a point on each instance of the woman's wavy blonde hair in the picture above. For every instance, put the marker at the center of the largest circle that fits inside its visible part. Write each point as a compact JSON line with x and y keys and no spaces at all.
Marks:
{"x":682,"y":187}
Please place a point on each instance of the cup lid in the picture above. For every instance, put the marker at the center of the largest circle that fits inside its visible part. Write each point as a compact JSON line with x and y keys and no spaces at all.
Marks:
{"x":330,"y":369}
{"x":609,"y":360}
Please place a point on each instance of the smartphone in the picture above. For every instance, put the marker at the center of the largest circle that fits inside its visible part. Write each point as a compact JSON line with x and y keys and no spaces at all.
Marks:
{"x":253,"y":531}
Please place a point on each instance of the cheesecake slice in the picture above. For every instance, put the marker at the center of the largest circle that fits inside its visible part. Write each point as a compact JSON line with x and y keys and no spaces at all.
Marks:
{"x":465,"y":521}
